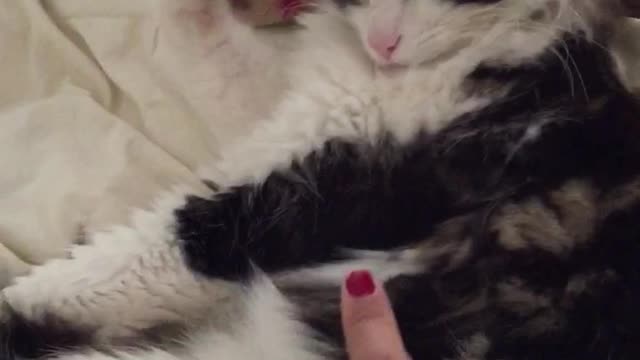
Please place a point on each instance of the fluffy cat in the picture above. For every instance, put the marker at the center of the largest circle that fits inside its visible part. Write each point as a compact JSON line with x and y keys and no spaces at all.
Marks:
{"x":479,"y":156}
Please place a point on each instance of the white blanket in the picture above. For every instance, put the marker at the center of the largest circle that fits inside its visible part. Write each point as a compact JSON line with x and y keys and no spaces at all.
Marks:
{"x":89,"y":128}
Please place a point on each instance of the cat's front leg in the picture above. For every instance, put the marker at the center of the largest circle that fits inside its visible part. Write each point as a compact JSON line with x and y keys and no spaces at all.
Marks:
{"x":124,"y":283}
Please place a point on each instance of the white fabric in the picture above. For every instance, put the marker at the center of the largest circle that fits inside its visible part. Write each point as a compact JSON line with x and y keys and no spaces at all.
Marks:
{"x":88,"y":128}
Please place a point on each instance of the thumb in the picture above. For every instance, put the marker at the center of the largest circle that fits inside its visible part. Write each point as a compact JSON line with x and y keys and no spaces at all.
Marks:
{"x":370,"y":328}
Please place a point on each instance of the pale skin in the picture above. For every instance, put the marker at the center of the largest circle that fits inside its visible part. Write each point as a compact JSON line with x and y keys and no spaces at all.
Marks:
{"x":370,"y":327}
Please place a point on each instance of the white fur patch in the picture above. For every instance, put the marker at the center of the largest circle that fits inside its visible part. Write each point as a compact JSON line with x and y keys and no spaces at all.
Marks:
{"x":267,"y":331}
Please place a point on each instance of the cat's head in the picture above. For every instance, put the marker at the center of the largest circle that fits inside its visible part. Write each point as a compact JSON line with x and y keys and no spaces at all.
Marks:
{"x":508,"y":32}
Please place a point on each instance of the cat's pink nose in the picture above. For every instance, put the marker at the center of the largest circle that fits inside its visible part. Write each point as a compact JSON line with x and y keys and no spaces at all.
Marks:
{"x":384,"y":43}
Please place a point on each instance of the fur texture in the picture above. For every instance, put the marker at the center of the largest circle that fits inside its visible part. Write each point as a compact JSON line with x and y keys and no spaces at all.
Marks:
{"x":490,"y":180}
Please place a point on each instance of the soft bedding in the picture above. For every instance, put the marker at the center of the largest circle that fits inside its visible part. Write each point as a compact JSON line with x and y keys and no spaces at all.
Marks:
{"x":90,"y":127}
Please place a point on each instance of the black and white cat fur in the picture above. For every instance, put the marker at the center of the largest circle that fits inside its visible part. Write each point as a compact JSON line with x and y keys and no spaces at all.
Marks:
{"x":487,"y":172}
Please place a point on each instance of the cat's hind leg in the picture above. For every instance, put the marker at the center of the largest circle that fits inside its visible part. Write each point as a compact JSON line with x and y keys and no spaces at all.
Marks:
{"x":125,"y":283}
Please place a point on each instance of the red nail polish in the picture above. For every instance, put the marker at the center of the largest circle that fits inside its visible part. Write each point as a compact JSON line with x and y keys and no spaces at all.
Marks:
{"x":360,"y":284}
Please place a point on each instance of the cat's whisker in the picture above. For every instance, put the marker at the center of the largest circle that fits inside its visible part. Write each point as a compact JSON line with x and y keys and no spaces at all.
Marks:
{"x":578,"y":71}
{"x":567,"y":71}
{"x":556,"y":28}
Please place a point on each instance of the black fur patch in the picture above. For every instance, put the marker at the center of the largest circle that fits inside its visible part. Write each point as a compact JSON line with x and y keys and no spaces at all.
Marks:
{"x":48,"y":336}
{"x":338,"y":197}
{"x":21,"y":338}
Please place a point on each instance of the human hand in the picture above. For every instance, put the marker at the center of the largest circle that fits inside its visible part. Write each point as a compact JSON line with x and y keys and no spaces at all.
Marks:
{"x":369,"y":325}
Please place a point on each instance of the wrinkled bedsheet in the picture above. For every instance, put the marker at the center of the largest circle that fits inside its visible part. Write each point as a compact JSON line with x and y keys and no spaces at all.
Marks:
{"x":89,"y":129}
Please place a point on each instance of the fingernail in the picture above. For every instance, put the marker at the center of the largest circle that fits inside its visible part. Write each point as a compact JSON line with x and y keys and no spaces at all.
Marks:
{"x":360,"y":284}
